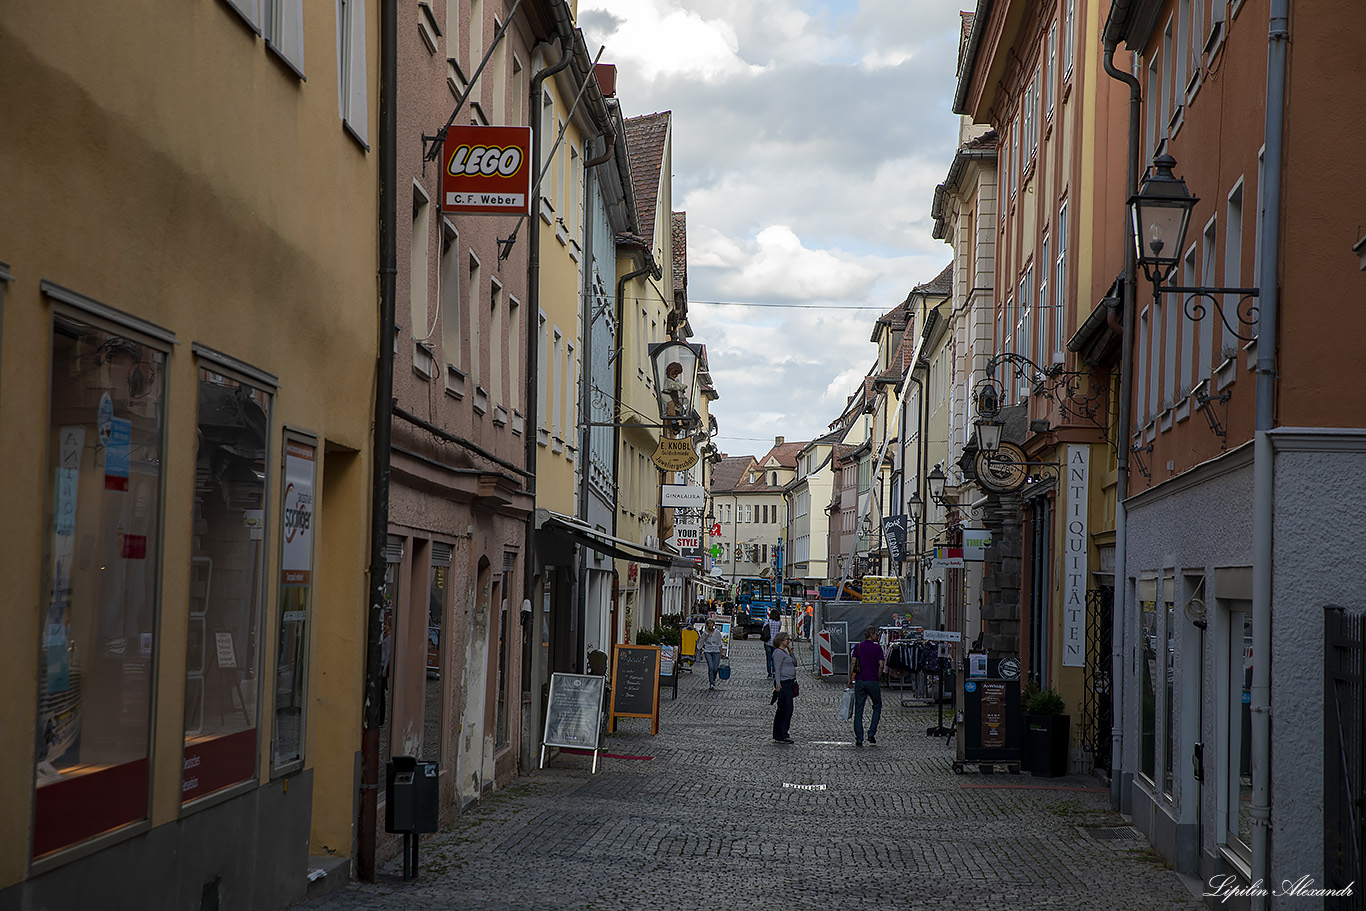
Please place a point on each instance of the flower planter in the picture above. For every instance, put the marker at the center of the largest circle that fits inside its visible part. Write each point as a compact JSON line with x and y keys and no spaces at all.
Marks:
{"x":1046,"y":744}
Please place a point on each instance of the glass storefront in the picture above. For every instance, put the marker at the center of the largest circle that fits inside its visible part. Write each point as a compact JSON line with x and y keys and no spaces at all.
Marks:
{"x":1240,"y":658}
{"x":296,"y":598}
{"x":227,"y":584}
{"x":437,"y":594}
{"x":1148,"y":693}
{"x":106,"y":445}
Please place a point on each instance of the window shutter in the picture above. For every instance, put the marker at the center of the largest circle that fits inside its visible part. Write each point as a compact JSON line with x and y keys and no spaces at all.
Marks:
{"x":285,"y":31}
{"x":356,"y":111}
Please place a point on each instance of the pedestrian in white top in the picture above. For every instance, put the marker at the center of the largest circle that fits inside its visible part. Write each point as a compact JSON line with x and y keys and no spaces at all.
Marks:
{"x":711,"y":650}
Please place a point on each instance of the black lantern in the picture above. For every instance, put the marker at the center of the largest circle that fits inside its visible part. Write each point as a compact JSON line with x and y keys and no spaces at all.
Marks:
{"x":1160,"y":212}
{"x":914,"y":505}
{"x":988,"y":407}
{"x":936,"y":481}
{"x":675,"y":369}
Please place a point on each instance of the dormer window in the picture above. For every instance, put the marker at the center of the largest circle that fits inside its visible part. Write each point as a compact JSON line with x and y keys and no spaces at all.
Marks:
{"x":774,"y":479}
{"x":751,"y":477}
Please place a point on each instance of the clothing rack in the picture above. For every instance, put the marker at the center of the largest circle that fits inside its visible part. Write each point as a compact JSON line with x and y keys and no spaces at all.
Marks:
{"x":905,"y":651}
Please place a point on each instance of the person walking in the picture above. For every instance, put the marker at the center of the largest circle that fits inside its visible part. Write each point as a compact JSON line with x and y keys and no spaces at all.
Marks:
{"x":772,"y":626}
{"x":711,"y":650}
{"x":809,"y":616}
{"x":865,"y":677}
{"x":784,"y":681}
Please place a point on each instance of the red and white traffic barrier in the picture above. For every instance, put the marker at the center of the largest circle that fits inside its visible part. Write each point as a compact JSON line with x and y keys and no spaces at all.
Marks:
{"x":824,"y":655}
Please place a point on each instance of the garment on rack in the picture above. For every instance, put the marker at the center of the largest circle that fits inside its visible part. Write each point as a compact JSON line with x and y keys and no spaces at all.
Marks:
{"x":903,"y":658}
{"x":929,"y":657}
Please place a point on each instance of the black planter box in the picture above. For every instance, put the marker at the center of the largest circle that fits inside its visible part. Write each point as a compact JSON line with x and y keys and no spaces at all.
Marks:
{"x":1046,"y":744}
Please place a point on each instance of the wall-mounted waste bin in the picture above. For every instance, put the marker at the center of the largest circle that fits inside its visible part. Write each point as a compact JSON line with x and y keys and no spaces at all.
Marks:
{"x":411,"y":800}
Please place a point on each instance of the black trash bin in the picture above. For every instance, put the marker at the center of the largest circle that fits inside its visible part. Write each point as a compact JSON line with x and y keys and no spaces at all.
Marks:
{"x":411,"y":801}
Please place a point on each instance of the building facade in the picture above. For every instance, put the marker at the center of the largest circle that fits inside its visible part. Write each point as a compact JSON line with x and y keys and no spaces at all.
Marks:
{"x":1232,"y":762}
{"x":187,"y":390}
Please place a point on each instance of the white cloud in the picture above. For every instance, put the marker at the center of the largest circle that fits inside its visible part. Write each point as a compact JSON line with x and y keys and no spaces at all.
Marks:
{"x":808,"y":138}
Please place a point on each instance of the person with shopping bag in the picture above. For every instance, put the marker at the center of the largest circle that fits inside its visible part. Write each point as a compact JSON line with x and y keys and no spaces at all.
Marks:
{"x":865,"y":677}
{"x":784,"y":686}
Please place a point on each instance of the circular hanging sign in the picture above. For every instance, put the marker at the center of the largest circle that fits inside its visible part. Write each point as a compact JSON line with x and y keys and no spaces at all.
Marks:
{"x":1003,"y":471}
{"x":1008,"y":668}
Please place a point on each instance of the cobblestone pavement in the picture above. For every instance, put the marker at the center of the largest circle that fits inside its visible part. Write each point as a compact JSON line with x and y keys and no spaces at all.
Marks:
{"x":723,"y":817}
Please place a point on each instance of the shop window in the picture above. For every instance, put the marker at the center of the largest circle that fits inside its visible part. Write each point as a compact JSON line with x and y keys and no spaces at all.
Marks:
{"x":1239,"y":734}
{"x":393,"y":558}
{"x":501,"y":727}
{"x":1148,"y":693}
{"x":106,"y":445}
{"x":438,"y":589}
{"x":1168,"y":684}
{"x":298,"y":513}
{"x":227,"y":583}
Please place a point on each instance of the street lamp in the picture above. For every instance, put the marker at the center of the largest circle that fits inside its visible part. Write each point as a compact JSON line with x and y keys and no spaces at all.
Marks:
{"x":1161,"y":212}
{"x":936,"y":481}
{"x":914,"y":505}
{"x":988,"y":428}
{"x":675,"y":371}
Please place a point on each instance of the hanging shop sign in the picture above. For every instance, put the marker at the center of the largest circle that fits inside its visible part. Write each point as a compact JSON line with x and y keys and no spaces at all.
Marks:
{"x":947,"y":558}
{"x":675,"y":455}
{"x":1076,"y":536}
{"x":894,"y":533}
{"x":486,"y":170}
{"x":687,"y":496}
{"x":1003,"y":471}
{"x":975,"y":544}
{"x":687,"y":538}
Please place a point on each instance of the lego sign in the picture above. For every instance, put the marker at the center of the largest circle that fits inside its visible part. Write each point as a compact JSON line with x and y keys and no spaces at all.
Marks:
{"x":486,"y":170}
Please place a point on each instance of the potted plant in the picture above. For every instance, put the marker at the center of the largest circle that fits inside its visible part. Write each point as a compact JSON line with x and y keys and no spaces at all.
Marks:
{"x":1046,"y":731}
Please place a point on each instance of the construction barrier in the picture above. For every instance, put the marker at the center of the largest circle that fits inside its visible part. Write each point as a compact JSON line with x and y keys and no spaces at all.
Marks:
{"x":824,"y":656}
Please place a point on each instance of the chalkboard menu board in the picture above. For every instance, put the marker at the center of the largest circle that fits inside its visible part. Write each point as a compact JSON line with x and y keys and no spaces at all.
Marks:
{"x":573,"y":717}
{"x":635,"y":684}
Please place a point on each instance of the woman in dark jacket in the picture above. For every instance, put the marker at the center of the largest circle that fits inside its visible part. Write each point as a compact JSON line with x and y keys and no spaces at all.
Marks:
{"x":784,"y":678}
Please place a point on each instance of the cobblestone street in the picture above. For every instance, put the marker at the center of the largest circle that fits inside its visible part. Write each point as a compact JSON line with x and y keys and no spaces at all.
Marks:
{"x":719,"y":816}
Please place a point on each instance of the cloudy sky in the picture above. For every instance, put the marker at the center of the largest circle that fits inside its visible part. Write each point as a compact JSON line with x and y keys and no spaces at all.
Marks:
{"x":808,"y":137}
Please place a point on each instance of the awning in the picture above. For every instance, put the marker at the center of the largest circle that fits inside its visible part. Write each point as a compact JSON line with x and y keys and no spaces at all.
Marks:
{"x":602,"y":541}
{"x":709,"y":582}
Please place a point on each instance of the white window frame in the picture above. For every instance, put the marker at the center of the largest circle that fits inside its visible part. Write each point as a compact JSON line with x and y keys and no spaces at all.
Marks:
{"x":352,"y":85}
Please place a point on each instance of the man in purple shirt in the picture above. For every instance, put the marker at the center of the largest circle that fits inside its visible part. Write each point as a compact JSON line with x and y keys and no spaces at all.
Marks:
{"x":864,"y":677}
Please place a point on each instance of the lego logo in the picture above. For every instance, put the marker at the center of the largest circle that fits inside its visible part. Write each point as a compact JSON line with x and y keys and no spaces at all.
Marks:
{"x":485,"y":160}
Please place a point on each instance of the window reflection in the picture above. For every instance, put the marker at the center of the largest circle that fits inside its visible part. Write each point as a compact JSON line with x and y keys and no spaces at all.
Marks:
{"x":106,"y":445}
{"x":227,"y":579}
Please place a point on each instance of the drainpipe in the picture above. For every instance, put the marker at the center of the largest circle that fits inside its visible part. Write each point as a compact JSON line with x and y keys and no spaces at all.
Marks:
{"x":1263,"y":467}
{"x":533,"y":338}
{"x":1114,"y":26}
{"x":384,"y":393}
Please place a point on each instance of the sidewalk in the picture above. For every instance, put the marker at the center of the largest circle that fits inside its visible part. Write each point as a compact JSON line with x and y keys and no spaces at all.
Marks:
{"x":711,"y":813}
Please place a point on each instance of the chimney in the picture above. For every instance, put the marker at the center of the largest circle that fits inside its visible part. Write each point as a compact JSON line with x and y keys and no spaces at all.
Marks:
{"x":777,"y":441}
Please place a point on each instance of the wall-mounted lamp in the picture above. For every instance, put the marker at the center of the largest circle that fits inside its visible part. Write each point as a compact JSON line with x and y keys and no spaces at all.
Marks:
{"x":936,"y":480}
{"x":675,"y":370}
{"x":1160,"y":212}
{"x":988,"y":407}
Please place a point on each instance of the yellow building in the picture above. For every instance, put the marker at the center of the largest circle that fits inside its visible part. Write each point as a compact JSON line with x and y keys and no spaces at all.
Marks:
{"x":186,"y":391}
{"x":646,"y":316}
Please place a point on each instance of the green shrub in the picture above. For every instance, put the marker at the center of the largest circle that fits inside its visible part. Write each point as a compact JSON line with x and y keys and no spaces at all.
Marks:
{"x":660,"y":635}
{"x":1044,"y":702}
